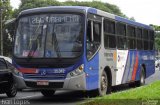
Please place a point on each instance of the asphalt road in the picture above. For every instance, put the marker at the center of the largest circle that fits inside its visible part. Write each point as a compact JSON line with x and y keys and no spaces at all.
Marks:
{"x":33,"y":97}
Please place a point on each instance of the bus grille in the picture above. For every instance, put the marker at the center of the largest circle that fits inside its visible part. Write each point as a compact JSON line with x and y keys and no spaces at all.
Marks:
{"x":49,"y":76}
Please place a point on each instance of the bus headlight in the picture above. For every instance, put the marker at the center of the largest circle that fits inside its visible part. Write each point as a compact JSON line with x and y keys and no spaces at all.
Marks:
{"x":77,"y":71}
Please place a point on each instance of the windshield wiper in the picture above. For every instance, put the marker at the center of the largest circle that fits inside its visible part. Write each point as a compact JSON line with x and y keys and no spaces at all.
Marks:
{"x":33,"y":47}
{"x":55,"y":42}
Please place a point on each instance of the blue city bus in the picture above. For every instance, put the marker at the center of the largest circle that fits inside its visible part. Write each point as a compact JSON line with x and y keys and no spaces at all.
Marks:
{"x":81,"y":48}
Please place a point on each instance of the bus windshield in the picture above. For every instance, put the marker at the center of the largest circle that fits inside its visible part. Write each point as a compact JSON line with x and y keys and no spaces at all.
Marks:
{"x":49,"y":36}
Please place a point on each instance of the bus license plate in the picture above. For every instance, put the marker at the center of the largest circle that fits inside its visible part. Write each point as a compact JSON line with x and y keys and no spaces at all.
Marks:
{"x":44,"y":83}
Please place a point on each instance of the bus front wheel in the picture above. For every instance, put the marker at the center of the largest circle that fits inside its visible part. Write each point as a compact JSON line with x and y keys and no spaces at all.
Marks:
{"x":48,"y":93}
{"x":103,"y":88}
{"x":103,"y":84}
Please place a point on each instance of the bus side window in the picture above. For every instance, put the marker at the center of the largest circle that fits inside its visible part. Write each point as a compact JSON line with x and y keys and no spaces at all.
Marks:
{"x":89,"y":35}
{"x":89,"y":40}
{"x":93,"y":38}
{"x":96,"y":32}
{"x":96,"y":35}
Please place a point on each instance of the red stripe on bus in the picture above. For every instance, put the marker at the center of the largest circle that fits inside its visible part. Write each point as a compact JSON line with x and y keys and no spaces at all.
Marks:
{"x":135,"y":68}
{"x":28,"y":70}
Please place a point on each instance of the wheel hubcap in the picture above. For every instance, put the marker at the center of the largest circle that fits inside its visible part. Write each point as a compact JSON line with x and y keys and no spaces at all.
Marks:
{"x":142,"y":78}
{"x":103,"y":83}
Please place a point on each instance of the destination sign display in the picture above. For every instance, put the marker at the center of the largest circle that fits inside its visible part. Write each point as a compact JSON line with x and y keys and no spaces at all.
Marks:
{"x":55,"y":19}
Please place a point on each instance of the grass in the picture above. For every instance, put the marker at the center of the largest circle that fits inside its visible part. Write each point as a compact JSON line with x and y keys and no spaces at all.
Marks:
{"x":145,"y":95}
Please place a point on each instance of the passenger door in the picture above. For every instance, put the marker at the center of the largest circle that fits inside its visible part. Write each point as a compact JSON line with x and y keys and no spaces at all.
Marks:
{"x":93,"y":39}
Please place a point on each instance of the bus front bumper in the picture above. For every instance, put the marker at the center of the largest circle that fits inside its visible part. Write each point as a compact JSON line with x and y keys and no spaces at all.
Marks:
{"x":76,"y":82}
{"x":70,"y":83}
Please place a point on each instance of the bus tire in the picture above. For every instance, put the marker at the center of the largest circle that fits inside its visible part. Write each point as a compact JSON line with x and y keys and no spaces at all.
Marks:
{"x":104,"y":86}
{"x":141,"y":82}
{"x":48,"y":93}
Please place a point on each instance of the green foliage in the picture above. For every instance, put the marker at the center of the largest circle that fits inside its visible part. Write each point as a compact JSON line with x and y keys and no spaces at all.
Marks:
{"x":136,"y":96}
{"x":27,"y":4}
{"x":37,"y":3}
{"x":157,"y":36}
{"x":7,"y":13}
{"x":132,"y":18}
{"x":157,"y":42}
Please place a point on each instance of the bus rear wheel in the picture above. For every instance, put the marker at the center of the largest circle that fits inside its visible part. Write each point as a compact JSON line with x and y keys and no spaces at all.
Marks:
{"x":141,"y":82}
{"x":48,"y":93}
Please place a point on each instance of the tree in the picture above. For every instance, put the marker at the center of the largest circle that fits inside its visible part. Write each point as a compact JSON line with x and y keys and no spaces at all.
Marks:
{"x":132,"y":18}
{"x":6,"y":14}
{"x":157,"y":36}
{"x":27,"y":4}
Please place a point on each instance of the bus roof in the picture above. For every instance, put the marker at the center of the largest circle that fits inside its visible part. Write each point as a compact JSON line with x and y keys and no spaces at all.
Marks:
{"x":118,"y":18}
{"x":54,"y":8}
{"x":89,"y":10}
